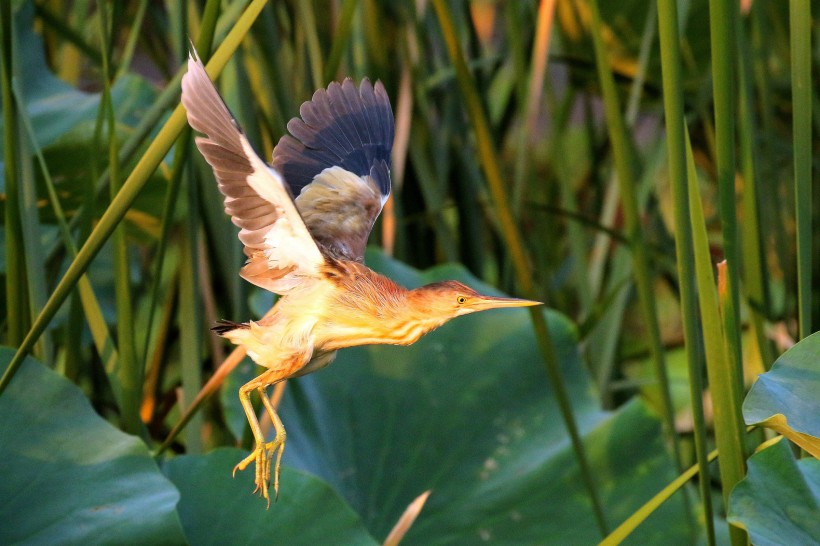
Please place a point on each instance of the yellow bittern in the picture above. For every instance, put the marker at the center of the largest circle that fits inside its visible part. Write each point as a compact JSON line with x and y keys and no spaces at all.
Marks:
{"x":309,"y":249}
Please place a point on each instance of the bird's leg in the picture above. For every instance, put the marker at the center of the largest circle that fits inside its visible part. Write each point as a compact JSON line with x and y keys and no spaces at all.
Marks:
{"x":263,"y":452}
{"x":278,"y":443}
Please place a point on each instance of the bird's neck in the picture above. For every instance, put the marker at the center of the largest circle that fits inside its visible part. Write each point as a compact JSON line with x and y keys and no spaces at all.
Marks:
{"x":371,"y":309}
{"x":411,"y":321}
{"x":418,"y":311}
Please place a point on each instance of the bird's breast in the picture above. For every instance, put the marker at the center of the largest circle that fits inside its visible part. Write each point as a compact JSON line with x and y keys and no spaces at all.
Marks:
{"x":339,"y":330}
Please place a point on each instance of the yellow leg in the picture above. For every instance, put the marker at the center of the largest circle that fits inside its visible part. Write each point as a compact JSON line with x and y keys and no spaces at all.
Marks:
{"x":263,"y":452}
{"x":278,"y":443}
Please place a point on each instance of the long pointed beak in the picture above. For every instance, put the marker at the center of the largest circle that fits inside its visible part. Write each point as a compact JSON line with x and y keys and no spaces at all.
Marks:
{"x":480,"y":303}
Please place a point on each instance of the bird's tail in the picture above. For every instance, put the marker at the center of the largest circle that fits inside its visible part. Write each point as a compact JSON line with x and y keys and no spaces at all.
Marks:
{"x":224,"y":326}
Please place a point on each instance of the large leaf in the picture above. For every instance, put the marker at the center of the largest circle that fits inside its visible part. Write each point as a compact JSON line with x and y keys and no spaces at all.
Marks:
{"x":786,"y":399}
{"x":779,"y":500}
{"x":218,"y":509}
{"x":468,"y":412}
{"x":69,"y":477}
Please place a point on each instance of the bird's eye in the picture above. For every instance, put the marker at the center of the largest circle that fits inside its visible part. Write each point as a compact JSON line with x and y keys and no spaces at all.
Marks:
{"x":461,"y":300}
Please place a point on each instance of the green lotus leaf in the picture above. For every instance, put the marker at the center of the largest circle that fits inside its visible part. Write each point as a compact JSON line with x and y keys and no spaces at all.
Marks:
{"x":219,"y":509}
{"x":778,"y":501}
{"x":69,"y":477}
{"x":786,"y":399}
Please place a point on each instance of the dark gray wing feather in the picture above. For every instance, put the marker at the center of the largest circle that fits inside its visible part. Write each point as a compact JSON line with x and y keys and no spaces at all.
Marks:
{"x":348,"y":128}
{"x":339,"y":127}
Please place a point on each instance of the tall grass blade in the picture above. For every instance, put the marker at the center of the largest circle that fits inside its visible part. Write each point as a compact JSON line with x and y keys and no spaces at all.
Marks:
{"x":728,"y":421}
{"x":431,"y":192}
{"x":751,"y":240}
{"x":779,"y":248}
{"x":600,"y":250}
{"x":475,"y":231}
{"x":800,"y":25}
{"x":31,"y":235}
{"x":340,"y":41}
{"x":154,"y":364}
{"x":486,"y":152}
{"x":17,"y":314}
{"x":308,"y":23}
{"x":130,"y":370}
{"x":373,"y":27}
{"x":492,"y":171}
{"x":178,"y":26}
{"x":190,"y":315}
{"x":675,"y":124}
{"x":576,"y":235}
{"x":604,"y":338}
{"x":131,"y":42}
{"x":532,"y":101}
{"x":130,"y":189}
{"x":722,"y":17}
{"x":398,"y":156}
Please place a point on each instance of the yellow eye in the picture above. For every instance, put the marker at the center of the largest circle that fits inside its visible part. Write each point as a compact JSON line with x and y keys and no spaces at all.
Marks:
{"x":461,"y":300}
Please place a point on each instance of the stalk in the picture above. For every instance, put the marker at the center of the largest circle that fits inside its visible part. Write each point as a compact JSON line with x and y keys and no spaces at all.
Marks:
{"x":314,"y":51}
{"x":800,"y":39}
{"x":190,"y":315}
{"x":728,"y":421}
{"x":722,"y":16}
{"x":129,"y":371}
{"x":673,"y":109}
{"x":340,"y":40}
{"x":17,"y":315}
{"x":752,"y":241}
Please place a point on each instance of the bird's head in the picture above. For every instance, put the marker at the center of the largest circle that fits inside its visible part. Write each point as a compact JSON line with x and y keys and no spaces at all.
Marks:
{"x":449,"y":299}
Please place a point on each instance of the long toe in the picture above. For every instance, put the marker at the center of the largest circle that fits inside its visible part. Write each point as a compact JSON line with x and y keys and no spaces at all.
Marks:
{"x":263,"y":472}
{"x":262,"y":456}
{"x":276,"y":466}
{"x":243,"y":464}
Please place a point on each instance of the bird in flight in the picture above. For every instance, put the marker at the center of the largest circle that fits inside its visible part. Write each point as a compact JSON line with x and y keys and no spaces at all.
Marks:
{"x":304,"y":221}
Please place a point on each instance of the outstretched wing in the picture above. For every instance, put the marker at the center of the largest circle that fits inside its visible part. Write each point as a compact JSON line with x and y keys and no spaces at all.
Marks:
{"x":278,"y":245}
{"x":337,"y":164}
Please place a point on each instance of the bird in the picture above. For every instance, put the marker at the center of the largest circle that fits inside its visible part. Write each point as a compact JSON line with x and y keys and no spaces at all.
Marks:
{"x":304,"y":222}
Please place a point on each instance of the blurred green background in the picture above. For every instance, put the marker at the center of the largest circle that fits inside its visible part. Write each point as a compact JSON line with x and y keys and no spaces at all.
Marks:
{"x":533,"y":148}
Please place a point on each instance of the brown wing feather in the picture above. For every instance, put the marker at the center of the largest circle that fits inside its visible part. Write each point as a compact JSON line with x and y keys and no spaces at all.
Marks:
{"x":280,"y":249}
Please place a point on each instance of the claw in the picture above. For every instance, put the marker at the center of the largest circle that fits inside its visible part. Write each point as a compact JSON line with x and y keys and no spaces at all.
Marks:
{"x":261,"y":456}
{"x":264,"y":451}
{"x":280,"y":448}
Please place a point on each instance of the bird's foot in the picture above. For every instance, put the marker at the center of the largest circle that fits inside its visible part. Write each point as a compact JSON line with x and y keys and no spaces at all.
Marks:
{"x":262,"y":455}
